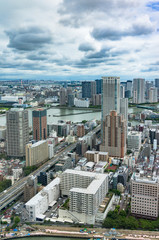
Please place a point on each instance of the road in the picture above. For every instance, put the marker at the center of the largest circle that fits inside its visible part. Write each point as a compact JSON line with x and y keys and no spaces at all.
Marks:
{"x":17,"y":189}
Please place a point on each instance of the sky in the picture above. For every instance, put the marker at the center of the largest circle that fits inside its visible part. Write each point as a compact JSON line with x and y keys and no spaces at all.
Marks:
{"x":79,"y":39}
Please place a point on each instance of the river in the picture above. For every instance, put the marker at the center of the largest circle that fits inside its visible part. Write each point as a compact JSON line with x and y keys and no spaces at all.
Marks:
{"x":73,"y":115}
{"x":51,"y":238}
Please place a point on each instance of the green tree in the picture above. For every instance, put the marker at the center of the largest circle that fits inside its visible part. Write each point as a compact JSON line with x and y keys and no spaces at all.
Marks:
{"x":122,"y":213}
{"x":16,"y":220}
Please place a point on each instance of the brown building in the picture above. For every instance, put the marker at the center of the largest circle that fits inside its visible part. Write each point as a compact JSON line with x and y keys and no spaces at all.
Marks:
{"x":39,"y":124}
{"x":96,"y":100}
{"x":95,"y":156}
{"x":80,"y":130}
{"x":30,"y":188}
{"x":114,"y":135}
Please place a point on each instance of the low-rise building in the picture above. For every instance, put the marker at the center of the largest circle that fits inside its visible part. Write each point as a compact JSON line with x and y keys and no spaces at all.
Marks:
{"x":95,"y":156}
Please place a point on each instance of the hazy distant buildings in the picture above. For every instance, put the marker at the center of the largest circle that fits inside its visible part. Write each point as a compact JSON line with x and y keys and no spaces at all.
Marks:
{"x":114,"y":135}
{"x":17,"y":132}
{"x":138,"y":90}
{"x":39,"y":124}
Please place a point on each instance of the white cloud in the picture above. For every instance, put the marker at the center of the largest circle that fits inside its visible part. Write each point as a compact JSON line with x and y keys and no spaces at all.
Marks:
{"x":57,"y":38}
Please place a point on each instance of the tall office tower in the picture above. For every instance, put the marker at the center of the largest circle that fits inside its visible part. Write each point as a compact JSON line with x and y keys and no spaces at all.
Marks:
{"x":88,"y":89}
{"x":129,"y":87}
{"x":122,"y":91}
{"x":124,"y":108}
{"x":138,"y":90}
{"x":110,"y":95}
{"x":63,"y":96}
{"x":153,"y":95}
{"x":39,"y":124}
{"x":17,"y":132}
{"x":98,"y":86}
{"x":157,"y":86}
{"x":114,"y":135}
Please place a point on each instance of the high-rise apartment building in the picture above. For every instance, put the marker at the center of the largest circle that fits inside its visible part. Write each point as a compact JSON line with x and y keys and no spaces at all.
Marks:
{"x":17,"y":132}
{"x":144,"y":196}
{"x":138,"y":90}
{"x":129,"y":87}
{"x":157,"y":86}
{"x":39,"y":124}
{"x":63,"y":96}
{"x":114,"y":135}
{"x":71,"y":98}
{"x":110,"y":95}
{"x":153,"y":95}
{"x":124,"y":108}
{"x":88,"y":89}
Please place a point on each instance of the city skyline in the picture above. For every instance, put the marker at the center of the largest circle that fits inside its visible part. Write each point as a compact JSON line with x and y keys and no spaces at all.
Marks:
{"x":79,"y":40}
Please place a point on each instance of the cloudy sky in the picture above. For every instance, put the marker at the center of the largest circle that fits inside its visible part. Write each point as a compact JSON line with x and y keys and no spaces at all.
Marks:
{"x":79,"y":39}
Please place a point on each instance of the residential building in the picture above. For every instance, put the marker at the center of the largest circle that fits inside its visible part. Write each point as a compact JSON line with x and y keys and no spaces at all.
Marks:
{"x":86,"y":191}
{"x":144,"y":196}
{"x":44,"y":178}
{"x":153,"y":95}
{"x":80,"y":130}
{"x":17,"y":131}
{"x":71,"y":98}
{"x":134,"y":141}
{"x":63,"y":164}
{"x":122,"y":91}
{"x":95,"y":156}
{"x":30,"y":188}
{"x":96,"y":100}
{"x":124,"y":108}
{"x":39,"y":124}
{"x":114,"y":135}
{"x":63,"y":96}
{"x":81,"y":103}
{"x":129,"y":87}
{"x":138,"y":90}
{"x":39,"y":204}
{"x":36,"y":153}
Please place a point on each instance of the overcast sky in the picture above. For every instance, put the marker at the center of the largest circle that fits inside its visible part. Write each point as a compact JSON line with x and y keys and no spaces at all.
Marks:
{"x":79,"y":39}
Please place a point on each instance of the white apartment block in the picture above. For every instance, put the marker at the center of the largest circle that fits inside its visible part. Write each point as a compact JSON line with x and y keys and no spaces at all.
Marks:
{"x":81,"y":103}
{"x":38,"y":205}
{"x":134,"y":140}
{"x":36,"y":153}
{"x":86,"y":191}
{"x":144,"y":196}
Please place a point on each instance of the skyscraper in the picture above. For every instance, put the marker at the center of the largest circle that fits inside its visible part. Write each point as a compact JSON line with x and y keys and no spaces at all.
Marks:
{"x":88,"y":89}
{"x":138,"y":90}
{"x":17,"y":132}
{"x":110,"y":95}
{"x":39,"y":124}
{"x":63,"y":96}
{"x":114,"y":135}
{"x":98,"y":86}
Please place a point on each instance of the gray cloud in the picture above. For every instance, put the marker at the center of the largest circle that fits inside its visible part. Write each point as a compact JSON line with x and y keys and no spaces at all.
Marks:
{"x":28,"y":39}
{"x":85,"y":47}
{"x":116,"y":34}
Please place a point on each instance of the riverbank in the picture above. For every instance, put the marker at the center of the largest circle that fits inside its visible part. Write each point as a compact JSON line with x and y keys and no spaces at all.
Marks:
{"x":77,"y":108}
